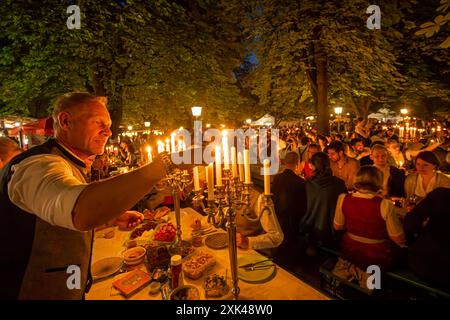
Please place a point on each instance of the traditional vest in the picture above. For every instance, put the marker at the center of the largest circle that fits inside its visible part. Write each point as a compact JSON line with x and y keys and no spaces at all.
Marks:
{"x":363,"y":217}
{"x":35,"y":255}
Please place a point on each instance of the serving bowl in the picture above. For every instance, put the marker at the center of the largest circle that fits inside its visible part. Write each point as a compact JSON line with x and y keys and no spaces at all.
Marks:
{"x":134,"y":256}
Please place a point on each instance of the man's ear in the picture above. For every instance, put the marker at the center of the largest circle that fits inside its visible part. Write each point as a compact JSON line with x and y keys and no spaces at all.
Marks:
{"x":64,"y":120}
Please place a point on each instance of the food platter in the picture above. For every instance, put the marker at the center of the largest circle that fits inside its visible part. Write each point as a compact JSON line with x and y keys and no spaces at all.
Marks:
{"x":217,"y":240}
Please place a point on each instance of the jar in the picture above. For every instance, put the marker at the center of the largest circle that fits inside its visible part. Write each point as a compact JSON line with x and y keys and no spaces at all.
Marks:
{"x":175,"y":271}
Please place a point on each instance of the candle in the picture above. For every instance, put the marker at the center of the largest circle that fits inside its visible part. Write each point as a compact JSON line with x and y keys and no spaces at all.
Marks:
{"x":168,"y":145}
{"x":180,"y":145}
{"x":226,"y":155}
{"x":196,"y":179}
{"x":160,"y":146}
{"x":233,"y":162}
{"x":266,"y":176}
{"x":206,"y":175}
{"x":218,"y":167}
{"x":401,"y":131}
{"x":172,"y":140}
{"x":241,"y":167}
{"x":149,"y":154}
{"x":210,"y":181}
{"x":247,"y":166}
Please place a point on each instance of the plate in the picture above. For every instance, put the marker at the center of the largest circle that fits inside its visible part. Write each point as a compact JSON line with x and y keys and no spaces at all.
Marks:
{"x":106,"y":267}
{"x":255,"y":276}
{"x":217,"y":240}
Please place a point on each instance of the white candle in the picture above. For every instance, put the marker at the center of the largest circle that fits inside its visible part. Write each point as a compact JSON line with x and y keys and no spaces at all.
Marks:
{"x":172,"y":139}
{"x":241,"y":167}
{"x":233,"y":162}
{"x":218,"y":167}
{"x":149,"y":154}
{"x":206,"y":175}
{"x":247,"y":166}
{"x":196,"y":179}
{"x":168,"y":145}
{"x":210,"y":181}
{"x":266,"y":176}
{"x":226,"y":155}
{"x":160,"y":146}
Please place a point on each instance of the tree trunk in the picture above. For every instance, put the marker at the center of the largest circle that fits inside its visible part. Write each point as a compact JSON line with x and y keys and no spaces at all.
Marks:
{"x":321,"y":98}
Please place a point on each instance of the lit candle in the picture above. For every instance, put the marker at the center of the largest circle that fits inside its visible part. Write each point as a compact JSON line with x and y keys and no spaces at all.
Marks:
{"x":160,"y":146}
{"x":180,"y":145}
{"x":266,"y":176}
{"x":226,"y":155}
{"x":241,"y":167}
{"x":400,"y":164}
{"x":401,"y":131}
{"x":172,"y":140}
{"x":233,"y":162}
{"x":168,"y":145}
{"x":149,"y":154}
{"x":247,"y":166}
{"x":218,"y":167}
{"x":210,"y":181}
{"x":196,"y":179}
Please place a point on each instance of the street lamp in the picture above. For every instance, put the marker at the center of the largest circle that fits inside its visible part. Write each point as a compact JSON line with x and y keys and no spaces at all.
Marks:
{"x":196,"y":111}
{"x":404,"y":111}
{"x":130,"y":128}
{"x":147,"y":124}
{"x":338,"y":111}
{"x":248,"y":121}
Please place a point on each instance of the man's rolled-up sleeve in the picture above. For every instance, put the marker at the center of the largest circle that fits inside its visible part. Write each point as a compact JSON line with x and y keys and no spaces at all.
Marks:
{"x":44,"y":185}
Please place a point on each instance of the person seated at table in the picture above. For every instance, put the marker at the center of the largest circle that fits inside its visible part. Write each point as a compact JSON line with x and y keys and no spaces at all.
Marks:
{"x":393,"y":178}
{"x":8,"y":150}
{"x":322,"y":192}
{"x":342,"y":166}
{"x":263,"y":234}
{"x":369,"y":221}
{"x":426,"y":228}
{"x":426,"y":179}
{"x":289,"y":197}
{"x":397,"y":158}
{"x":304,"y":167}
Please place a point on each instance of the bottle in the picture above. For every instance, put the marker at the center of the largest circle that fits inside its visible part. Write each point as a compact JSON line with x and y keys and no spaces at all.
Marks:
{"x":175,"y":271}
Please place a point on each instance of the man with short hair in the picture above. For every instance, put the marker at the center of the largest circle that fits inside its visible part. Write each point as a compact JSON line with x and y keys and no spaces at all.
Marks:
{"x":49,"y":209}
{"x":393,"y":178}
{"x":357,"y":150}
{"x":343,"y":167}
{"x":289,"y":198}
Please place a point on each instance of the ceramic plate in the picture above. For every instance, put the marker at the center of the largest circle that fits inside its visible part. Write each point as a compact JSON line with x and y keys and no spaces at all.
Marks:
{"x":217,"y":240}
{"x":255,"y":276}
{"x":106,"y":267}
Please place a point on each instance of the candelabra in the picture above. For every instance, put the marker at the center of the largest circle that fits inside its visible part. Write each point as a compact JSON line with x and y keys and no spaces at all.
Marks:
{"x":178,"y":181}
{"x":232,"y":196}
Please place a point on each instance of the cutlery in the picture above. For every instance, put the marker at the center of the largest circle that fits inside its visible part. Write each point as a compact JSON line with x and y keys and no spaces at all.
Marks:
{"x":254,"y":263}
{"x":263,"y":267}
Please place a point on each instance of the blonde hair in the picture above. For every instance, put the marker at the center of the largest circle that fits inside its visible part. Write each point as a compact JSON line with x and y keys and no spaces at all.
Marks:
{"x":72,"y":99}
{"x":369,"y":178}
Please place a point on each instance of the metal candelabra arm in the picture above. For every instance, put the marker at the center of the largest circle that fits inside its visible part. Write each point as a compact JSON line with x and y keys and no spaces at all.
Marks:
{"x":250,"y":214}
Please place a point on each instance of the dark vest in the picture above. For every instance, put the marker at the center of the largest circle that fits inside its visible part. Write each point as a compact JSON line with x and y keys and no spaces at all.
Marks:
{"x":363,"y":217}
{"x":35,"y":255}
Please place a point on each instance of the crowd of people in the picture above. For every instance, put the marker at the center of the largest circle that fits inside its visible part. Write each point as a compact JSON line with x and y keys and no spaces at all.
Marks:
{"x":368,"y":195}
{"x":374,"y":196}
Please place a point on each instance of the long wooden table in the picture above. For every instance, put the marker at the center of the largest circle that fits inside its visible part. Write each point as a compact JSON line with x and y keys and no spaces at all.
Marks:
{"x":283,"y":286}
